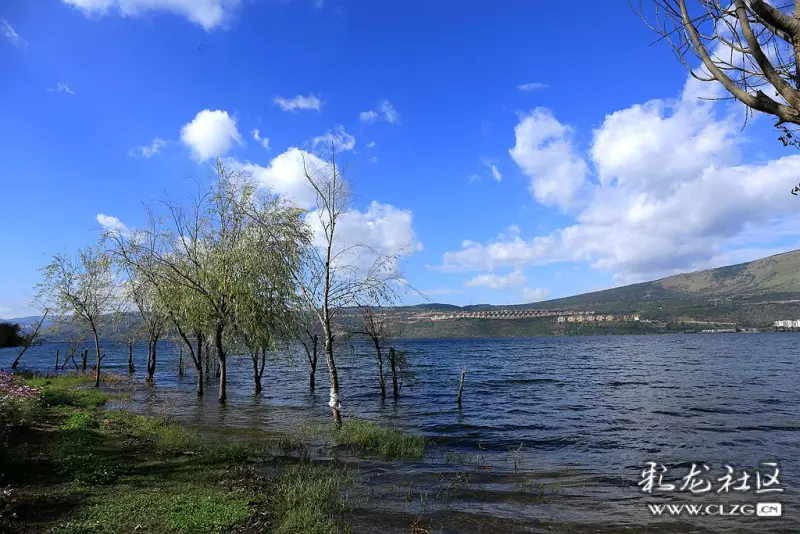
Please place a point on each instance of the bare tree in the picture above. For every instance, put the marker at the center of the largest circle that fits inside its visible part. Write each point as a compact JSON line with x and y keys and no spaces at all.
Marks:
{"x":81,"y":291}
{"x":749,"y":46}
{"x":337,"y":274}
{"x":376,"y":330}
{"x":306,"y":330}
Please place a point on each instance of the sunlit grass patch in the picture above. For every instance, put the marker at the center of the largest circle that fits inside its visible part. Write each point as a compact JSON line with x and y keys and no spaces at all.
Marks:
{"x":176,"y":508}
{"x":372,"y":438}
{"x":310,"y":499}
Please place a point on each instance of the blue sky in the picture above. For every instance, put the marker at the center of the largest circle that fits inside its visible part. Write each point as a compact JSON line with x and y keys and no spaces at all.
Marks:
{"x":515,"y":150}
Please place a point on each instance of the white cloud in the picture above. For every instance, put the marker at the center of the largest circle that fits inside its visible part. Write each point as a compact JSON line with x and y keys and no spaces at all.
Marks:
{"x":299,"y":103}
{"x":371,"y":144}
{"x":380,"y":229}
{"x":497,"y":282}
{"x":111,"y":223}
{"x":210,"y":134}
{"x":150,"y":150}
{"x":337,"y":137}
{"x":12,"y":35}
{"x":507,"y":250}
{"x":61,"y":87}
{"x":263,"y":140}
{"x":544,"y":152}
{"x":209,"y":14}
{"x":385,"y":111}
{"x":532,"y":86}
{"x":285,"y":176}
{"x":362,"y":236}
{"x":534,"y":294}
{"x":496,"y":173}
{"x":670,"y":193}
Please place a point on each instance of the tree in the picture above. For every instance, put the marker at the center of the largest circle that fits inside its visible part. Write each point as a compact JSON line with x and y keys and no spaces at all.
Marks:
{"x":26,"y":340}
{"x":375,"y":329}
{"x":749,"y":46}
{"x":306,"y":330}
{"x":82,"y":291}
{"x":265,"y":293}
{"x":336,"y":274}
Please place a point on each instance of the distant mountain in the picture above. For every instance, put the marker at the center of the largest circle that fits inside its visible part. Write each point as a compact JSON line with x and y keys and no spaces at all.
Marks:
{"x":747,"y":295}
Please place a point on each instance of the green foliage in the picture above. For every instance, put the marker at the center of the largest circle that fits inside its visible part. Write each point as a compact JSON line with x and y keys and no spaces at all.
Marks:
{"x":83,"y":398}
{"x":371,"y":438}
{"x":10,"y":335}
{"x":309,"y":500}
{"x":81,"y":421}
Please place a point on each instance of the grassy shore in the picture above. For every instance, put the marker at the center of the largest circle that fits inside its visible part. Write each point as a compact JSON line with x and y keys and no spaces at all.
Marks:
{"x":72,"y":466}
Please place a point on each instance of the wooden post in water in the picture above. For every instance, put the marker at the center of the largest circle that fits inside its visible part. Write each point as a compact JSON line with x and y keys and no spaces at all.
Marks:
{"x":461,"y":385}
{"x":180,"y":361}
{"x":57,"y":359}
{"x":131,"y":368}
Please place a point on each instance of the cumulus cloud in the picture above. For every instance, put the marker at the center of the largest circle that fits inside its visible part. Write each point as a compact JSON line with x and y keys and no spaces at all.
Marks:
{"x":385,"y":111}
{"x":545,"y":153}
{"x":264,"y":141}
{"x":669,"y":192}
{"x":337,"y":137}
{"x":381,"y":229}
{"x":506,"y":250}
{"x":497,"y":282}
{"x":299,"y":102}
{"x":532,"y":86}
{"x":110,"y":223}
{"x":209,"y":14}
{"x":210,"y":134}
{"x":12,"y":35}
{"x":362,"y":236}
{"x":148,"y":151}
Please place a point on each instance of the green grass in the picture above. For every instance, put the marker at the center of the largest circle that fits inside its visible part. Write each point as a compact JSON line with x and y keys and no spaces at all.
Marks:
{"x":308,"y":499}
{"x":161,"y":509}
{"x":372,"y":438}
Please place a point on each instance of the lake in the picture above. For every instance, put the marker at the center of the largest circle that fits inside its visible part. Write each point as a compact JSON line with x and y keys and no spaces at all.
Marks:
{"x":552,"y":434}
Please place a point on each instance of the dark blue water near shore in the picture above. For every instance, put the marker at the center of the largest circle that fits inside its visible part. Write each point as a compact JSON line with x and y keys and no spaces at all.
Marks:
{"x":585,"y":414}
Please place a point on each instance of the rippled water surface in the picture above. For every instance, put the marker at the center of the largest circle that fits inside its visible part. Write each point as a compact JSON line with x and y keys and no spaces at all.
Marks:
{"x":553,"y":433}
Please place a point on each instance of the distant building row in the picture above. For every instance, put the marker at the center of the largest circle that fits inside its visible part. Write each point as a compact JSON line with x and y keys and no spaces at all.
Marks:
{"x":787,"y":323}
{"x":585,"y":318}
{"x":494,"y":314}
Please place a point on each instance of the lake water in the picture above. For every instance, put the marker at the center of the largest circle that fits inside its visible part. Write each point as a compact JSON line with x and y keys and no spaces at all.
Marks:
{"x":552,"y":434}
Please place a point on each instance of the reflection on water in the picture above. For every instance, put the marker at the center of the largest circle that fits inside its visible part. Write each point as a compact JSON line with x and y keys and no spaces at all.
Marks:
{"x":553,"y":433}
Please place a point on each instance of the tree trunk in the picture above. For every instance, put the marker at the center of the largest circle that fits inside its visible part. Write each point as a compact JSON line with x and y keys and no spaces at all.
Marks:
{"x":151,"y":361}
{"x":256,"y":375}
{"x":30,"y":341}
{"x":393,"y":363}
{"x":84,"y":355}
{"x":381,"y":379}
{"x":461,"y":385}
{"x":97,"y":351}
{"x":313,"y":363}
{"x":131,"y":368}
{"x":336,"y":408}
{"x":198,"y":364}
{"x":180,"y":361}
{"x":223,"y":371}
{"x":57,"y":359}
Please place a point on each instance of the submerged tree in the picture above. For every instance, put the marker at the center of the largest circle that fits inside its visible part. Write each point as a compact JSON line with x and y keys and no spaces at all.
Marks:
{"x":82,"y":291}
{"x":337,"y":274}
{"x":375,"y":329}
{"x":306,"y":331}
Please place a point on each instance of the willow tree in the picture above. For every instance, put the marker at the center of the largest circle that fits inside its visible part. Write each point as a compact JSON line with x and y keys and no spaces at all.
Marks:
{"x":751,"y":47}
{"x":268,"y":257}
{"x":82,"y":291}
